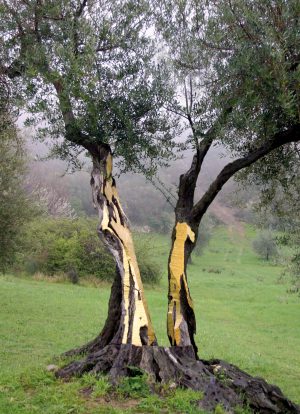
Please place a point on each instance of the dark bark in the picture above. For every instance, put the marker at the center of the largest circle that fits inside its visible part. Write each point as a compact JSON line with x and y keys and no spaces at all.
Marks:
{"x":181,"y":322}
{"x":220,"y":382}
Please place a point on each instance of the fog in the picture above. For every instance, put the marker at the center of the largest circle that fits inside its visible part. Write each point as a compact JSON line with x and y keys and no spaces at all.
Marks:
{"x":145,"y":203}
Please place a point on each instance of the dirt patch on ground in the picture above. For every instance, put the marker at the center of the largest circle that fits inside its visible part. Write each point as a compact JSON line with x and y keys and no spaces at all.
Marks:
{"x":109,"y":400}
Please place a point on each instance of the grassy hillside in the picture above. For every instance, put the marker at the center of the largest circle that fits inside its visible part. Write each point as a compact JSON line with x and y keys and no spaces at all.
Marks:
{"x":244,"y":316}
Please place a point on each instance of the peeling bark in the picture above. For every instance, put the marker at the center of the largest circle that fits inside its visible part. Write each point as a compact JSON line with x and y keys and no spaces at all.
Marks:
{"x":125,"y":339}
{"x":128,"y":320}
{"x":181,"y":323}
{"x":135,"y":326}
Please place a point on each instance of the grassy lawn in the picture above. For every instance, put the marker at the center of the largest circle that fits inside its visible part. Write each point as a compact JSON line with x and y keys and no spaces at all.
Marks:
{"x":244,"y":316}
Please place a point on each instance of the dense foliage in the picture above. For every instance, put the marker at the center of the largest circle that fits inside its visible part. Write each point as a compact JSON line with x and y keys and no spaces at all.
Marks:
{"x":64,"y":246}
{"x":85,"y":71}
{"x":15,"y":208}
{"x":238,"y":64}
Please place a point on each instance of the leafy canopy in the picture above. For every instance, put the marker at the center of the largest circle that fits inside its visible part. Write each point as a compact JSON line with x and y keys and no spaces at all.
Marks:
{"x":85,"y":71}
{"x":239,"y":60}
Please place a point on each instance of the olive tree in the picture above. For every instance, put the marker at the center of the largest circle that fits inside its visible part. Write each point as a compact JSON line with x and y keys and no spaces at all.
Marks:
{"x":238,"y":62}
{"x":84,"y":72}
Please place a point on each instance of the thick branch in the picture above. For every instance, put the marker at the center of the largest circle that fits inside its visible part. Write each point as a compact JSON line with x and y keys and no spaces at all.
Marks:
{"x":187,"y":185}
{"x":279,"y":139}
{"x":73,"y":133}
{"x":188,"y":180}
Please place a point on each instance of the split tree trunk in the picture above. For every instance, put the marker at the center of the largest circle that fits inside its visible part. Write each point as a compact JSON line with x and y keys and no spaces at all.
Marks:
{"x":181,"y":321}
{"x":128,"y":320}
{"x":125,"y":339}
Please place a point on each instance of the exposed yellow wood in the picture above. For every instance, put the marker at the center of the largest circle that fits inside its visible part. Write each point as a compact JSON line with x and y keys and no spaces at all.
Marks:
{"x":115,"y":226}
{"x":105,"y":218}
{"x":126,"y":283}
{"x":177,"y":272}
{"x":109,"y":166}
{"x":141,"y":317}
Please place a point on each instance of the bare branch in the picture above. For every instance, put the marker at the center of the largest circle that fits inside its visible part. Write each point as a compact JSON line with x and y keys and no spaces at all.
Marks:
{"x":165,"y":192}
{"x":182,"y":114}
{"x":191,"y":94}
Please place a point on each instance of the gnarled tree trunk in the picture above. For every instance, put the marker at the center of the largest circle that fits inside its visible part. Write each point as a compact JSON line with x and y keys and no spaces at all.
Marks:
{"x":125,"y":339}
{"x":134,"y":324}
{"x":128,"y":320}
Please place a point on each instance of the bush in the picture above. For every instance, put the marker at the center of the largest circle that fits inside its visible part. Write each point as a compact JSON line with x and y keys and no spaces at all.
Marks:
{"x":161,"y":223}
{"x":150,"y":271}
{"x":53,"y":246}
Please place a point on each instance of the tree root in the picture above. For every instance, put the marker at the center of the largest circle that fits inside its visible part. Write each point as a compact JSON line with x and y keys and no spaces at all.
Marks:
{"x":219,"y":381}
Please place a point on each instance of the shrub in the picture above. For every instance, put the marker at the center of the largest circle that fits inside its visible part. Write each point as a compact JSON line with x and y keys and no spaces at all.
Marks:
{"x":161,"y":223}
{"x":15,"y":206}
{"x":53,"y":246}
{"x":150,"y":271}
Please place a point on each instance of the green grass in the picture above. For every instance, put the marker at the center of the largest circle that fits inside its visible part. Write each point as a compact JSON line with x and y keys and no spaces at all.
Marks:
{"x":244,"y":316}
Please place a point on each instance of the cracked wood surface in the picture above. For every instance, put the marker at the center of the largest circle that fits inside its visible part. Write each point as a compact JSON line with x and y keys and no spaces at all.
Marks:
{"x":135,"y":325}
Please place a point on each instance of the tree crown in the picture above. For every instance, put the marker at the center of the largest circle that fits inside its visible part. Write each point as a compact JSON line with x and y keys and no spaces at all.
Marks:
{"x":86,"y":71}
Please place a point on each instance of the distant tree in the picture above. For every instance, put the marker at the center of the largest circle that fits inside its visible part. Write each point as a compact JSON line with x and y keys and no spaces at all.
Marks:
{"x":282,"y":211}
{"x":265,"y":245}
{"x":15,"y":208}
{"x":50,"y":202}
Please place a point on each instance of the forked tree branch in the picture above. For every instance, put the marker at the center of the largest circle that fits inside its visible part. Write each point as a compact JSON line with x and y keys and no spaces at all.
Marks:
{"x":188,"y":180}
